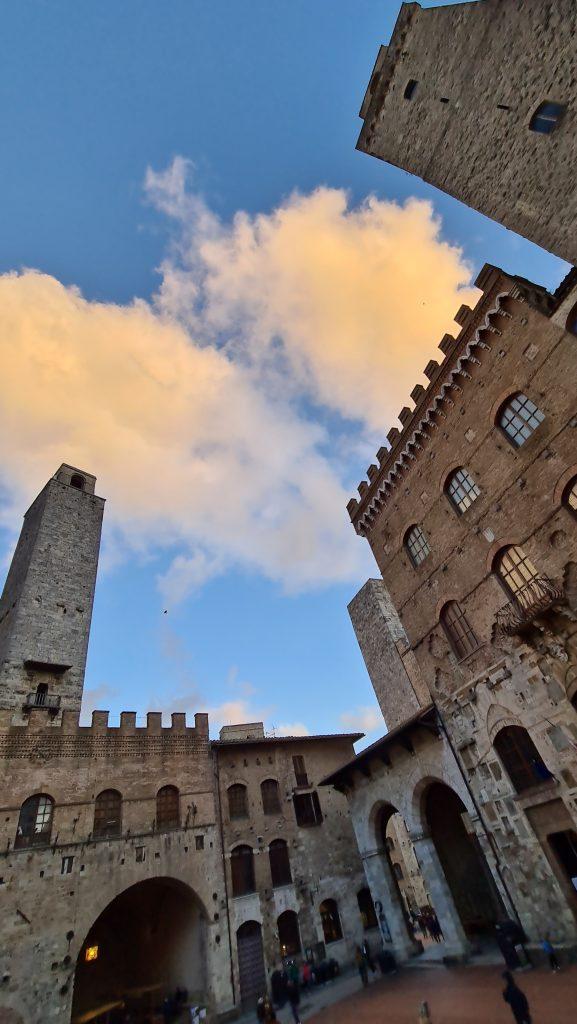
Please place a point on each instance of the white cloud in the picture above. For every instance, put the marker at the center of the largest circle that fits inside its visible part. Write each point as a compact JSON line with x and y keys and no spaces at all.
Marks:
{"x":203,"y":413}
{"x":292,"y":729}
{"x":363,"y":719}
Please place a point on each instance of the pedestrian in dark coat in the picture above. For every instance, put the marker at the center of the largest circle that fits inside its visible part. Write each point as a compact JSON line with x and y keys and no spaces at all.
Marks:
{"x":294,"y":999}
{"x":517,"y":1000}
{"x":361,"y":962}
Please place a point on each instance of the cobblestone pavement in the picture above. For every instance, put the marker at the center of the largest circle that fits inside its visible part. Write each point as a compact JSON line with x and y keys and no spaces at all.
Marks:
{"x":469,"y":995}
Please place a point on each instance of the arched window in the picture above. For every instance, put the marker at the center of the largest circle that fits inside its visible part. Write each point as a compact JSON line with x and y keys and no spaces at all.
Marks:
{"x":417,"y":545}
{"x":242,"y":870}
{"x":289,"y":938}
{"x":107,"y":814}
{"x":330,"y":921}
{"x":461,"y":489}
{"x":167,"y":808}
{"x":547,"y":117}
{"x":460,"y":633}
{"x":520,"y":757}
{"x":237,"y":801}
{"x":518,"y":417}
{"x":570,"y":496}
{"x":367,"y":909}
{"x":280,"y":868}
{"x":398,"y":872}
{"x":410,"y":89}
{"x":77,"y":481}
{"x":270,"y":796}
{"x":515,"y":570}
{"x":35,"y":821}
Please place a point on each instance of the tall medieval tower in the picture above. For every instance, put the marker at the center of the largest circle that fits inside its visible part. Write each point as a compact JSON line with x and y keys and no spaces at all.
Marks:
{"x":46,"y":604}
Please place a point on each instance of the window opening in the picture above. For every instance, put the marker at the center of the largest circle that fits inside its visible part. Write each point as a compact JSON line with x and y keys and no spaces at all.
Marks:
{"x":307,"y":809}
{"x":570,"y":496}
{"x":242,"y":870}
{"x":330,"y":921}
{"x":417,"y":545}
{"x":167,"y":808}
{"x":300,"y":770}
{"x":519,"y":417}
{"x":571,"y":324}
{"x":107,"y":814}
{"x":515,"y":570}
{"x":367,"y":909}
{"x":289,"y":934}
{"x":410,"y":89}
{"x":77,"y":481}
{"x":35,"y":821}
{"x":280,"y":868}
{"x":237,"y":801}
{"x":521,"y":759}
{"x":547,"y":117}
{"x":270,"y":796}
{"x":40,"y":695}
{"x":398,"y":872}
{"x":460,"y":633}
{"x":462,"y":489}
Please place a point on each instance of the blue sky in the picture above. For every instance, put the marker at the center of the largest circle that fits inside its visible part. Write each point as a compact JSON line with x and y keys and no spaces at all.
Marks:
{"x":134,"y":133}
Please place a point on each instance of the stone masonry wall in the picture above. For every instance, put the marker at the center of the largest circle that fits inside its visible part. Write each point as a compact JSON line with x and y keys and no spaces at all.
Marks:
{"x":482,"y":69}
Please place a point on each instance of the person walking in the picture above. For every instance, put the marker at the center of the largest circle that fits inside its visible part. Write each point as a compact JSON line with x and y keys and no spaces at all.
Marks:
{"x":361,"y":962}
{"x":366,"y":951}
{"x":294,"y":998}
{"x":269,"y":1014}
{"x":517,"y":1000}
{"x":548,"y":948}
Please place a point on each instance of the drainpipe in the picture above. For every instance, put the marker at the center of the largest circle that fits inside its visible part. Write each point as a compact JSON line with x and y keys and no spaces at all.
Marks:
{"x":221,"y":831}
{"x":487,"y":832}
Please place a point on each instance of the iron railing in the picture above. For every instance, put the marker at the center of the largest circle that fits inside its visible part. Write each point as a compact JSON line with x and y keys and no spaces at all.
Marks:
{"x":43,"y":700}
{"x":533,"y":599}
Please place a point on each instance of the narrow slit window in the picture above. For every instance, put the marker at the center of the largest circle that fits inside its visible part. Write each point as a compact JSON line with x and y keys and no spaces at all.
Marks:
{"x":547,"y":117}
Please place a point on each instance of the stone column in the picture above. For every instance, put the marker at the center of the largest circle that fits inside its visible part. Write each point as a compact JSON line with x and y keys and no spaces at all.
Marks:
{"x":385,"y":892}
{"x":456,"y":942}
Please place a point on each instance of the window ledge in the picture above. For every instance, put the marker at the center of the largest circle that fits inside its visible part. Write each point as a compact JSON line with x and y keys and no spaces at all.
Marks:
{"x":529,"y":796}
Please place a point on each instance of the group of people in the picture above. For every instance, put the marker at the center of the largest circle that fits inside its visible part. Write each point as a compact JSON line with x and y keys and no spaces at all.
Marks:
{"x":426,"y":922}
{"x":287,"y":982}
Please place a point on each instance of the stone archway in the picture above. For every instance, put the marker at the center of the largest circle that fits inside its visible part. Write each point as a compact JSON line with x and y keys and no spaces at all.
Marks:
{"x":149,"y":941}
{"x":466,"y":871}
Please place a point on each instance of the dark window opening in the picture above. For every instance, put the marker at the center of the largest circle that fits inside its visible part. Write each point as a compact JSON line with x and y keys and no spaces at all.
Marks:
{"x":571,"y":323}
{"x":307,"y":809}
{"x":503,"y":106}
{"x":564,"y":845}
{"x":41,"y":694}
{"x":107,"y":814}
{"x":167,"y":808}
{"x":444,"y":99}
{"x":547,"y":117}
{"x":459,"y":632}
{"x":398,"y":872}
{"x":237,"y":802}
{"x":280,"y":868}
{"x":35,"y":821}
{"x":367,"y":909}
{"x":410,"y":89}
{"x":199,"y":842}
{"x":300,"y":770}
{"x":77,"y":481}
{"x":288,"y":934}
{"x":270,"y":796}
{"x":330,"y":921}
{"x":520,"y":757}
{"x":242,"y":870}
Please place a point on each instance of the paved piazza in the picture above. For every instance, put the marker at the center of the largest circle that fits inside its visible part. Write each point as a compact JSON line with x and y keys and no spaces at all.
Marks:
{"x":470,"y":995}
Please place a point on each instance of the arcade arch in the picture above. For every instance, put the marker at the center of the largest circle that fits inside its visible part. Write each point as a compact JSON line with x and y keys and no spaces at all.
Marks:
{"x":149,"y":940}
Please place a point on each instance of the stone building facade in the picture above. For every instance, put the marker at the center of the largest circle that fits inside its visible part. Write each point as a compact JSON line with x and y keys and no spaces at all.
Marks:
{"x":471,"y":514}
{"x":116,"y":841}
{"x":294,"y":875}
{"x":480,"y":100}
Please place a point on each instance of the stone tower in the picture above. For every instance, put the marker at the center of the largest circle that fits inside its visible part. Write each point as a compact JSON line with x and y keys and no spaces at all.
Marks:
{"x":46,"y":604}
{"x":480,"y":100}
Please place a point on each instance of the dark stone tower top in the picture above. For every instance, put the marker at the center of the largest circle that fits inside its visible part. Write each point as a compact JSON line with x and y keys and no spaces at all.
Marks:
{"x":46,"y":604}
{"x":480,"y":100}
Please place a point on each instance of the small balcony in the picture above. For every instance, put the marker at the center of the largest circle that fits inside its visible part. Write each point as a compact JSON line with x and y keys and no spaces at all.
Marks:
{"x":533,"y":599}
{"x":50,"y":701}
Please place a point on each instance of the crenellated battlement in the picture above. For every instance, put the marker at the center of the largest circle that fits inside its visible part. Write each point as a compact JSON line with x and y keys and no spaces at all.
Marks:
{"x":432,"y":403}
{"x":40,"y":737}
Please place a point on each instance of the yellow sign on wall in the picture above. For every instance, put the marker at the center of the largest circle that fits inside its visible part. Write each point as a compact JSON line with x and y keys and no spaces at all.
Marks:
{"x":91,"y":953}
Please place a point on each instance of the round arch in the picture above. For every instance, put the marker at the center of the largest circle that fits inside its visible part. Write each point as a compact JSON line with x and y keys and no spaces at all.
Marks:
{"x":147,"y":942}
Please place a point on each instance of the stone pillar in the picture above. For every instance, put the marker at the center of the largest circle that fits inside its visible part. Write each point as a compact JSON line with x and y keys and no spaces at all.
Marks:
{"x":384,"y":891}
{"x":456,"y":942}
